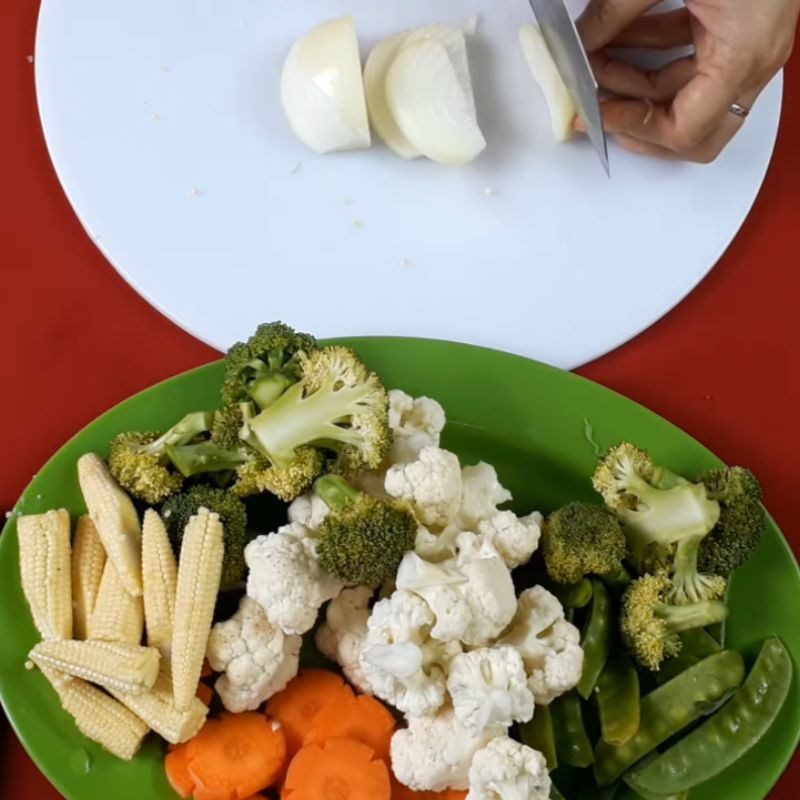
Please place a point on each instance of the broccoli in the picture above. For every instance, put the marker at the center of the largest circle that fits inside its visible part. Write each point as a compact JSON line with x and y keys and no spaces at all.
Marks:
{"x":581,"y":539}
{"x":264,"y":366}
{"x":742,"y":519}
{"x":650,"y":624}
{"x":179,"y":508}
{"x":664,"y":518}
{"x":140,"y":461}
{"x":362,"y":539}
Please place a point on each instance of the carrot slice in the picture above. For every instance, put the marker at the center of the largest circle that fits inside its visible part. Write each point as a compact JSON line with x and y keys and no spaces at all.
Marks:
{"x":338,"y":769}
{"x":362,"y":718}
{"x":236,"y":756}
{"x":302,"y":699}
{"x":205,"y":670}
{"x":401,"y":792}
{"x":177,"y":768}
{"x":205,"y":693}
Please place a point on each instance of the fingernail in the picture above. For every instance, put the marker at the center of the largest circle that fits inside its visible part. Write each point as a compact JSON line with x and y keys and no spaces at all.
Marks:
{"x":579,"y":125}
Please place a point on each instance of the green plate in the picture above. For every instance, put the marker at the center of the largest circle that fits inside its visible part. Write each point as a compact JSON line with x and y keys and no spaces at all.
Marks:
{"x":525,"y":418}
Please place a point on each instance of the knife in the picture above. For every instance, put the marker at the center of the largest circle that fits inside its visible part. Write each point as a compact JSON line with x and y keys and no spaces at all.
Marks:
{"x":564,"y":43}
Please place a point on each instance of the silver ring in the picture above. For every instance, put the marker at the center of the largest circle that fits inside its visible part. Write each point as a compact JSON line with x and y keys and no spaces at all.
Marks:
{"x":740,"y":111}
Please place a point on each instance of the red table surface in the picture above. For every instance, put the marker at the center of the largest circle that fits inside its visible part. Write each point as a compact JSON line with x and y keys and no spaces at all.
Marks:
{"x":76,"y":339}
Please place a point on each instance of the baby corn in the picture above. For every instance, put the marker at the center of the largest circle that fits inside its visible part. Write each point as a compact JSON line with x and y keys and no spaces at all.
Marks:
{"x":113,"y":512}
{"x":44,"y":565}
{"x":159,"y":582}
{"x":88,"y":560}
{"x":118,"y":616}
{"x":199,"y":572}
{"x":114,"y":665}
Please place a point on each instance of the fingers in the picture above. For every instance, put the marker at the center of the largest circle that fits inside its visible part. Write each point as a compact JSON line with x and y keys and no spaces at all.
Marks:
{"x":604,"y":20}
{"x":658,"y":31}
{"x":645,"y":148}
{"x":622,"y":78}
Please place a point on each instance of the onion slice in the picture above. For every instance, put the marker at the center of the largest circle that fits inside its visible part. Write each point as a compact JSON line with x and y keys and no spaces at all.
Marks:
{"x":322,"y":89}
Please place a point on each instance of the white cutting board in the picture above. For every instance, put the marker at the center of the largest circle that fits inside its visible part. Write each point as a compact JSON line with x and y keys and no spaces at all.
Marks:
{"x":164,"y":124}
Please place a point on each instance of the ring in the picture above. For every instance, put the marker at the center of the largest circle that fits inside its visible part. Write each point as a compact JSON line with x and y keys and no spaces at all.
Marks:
{"x":740,"y":111}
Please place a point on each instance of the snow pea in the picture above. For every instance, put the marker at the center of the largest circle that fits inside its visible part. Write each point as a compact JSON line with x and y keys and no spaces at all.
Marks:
{"x":538,"y":734}
{"x":729,"y":734}
{"x":695,"y":645}
{"x":572,"y":743}
{"x":555,"y":794}
{"x":573,"y":595}
{"x":668,"y":709}
{"x":617,"y":696}
{"x":596,"y":638}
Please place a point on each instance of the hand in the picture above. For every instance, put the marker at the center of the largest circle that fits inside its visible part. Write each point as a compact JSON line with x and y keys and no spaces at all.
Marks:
{"x":683,"y":110}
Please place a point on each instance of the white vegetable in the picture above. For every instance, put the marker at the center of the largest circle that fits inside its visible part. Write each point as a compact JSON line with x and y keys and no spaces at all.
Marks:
{"x":435,"y":753}
{"x":309,"y":509}
{"x":507,"y":770}
{"x":488,"y":686}
{"x":257,"y":659}
{"x":416,"y":422}
{"x":548,"y":644}
{"x":546,"y":74}
{"x":514,"y":538}
{"x":481,"y":494}
{"x":322,"y":90}
{"x":429,"y":92}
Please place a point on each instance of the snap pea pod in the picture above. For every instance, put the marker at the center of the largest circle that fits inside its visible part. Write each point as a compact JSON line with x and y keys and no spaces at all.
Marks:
{"x":630,"y":793}
{"x":618,"y":704}
{"x":573,"y":595}
{"x":555,"y":794}
{"x":729,"y":734}
{"x":596,"y":638}
{"x":538,"y":734}
{"x":696,"y":645}
{"x":668,"y":709}
{"x":572,"y":743}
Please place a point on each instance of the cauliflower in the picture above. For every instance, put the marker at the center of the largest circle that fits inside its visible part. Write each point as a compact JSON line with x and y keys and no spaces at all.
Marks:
{"x":257,"y":658}
{"x":515,"y":538}
{"x":506,"y":770}
{"x":435,"y":753}
{"x":309,"y":509}
{"x":286,"y":578}
{"x":472,"y":595}
{"x":488,"y":686}
{"x":415,"y":423}
{"x":431,"y":485}
{"x":548,"y":644}
{"x":341,"y":637}
{"x":402,"y":664}
{"x":482,"y":492}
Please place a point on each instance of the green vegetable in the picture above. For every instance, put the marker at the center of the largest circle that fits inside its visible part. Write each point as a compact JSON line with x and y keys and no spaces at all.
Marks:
{"x":729,"y":734}
{"x":668,"y":709}
{"x":539,"y":734}
{"x":141,"y":465}
{"x":555,"y":794}
{"x":581,"y":539}
{"x":595,"y":638}
{"x":362,"y":539}
{"x":618,"y":701}
{"x":698,"y":642}
{"x":572,"y":743}
{"x":573,"y":595}
{"x":179,"y":508}
{"x":650,"y":624}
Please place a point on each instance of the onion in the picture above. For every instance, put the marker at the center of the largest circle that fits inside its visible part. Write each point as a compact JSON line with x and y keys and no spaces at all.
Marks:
{"x":429,"y":94}
{"x":322,"y":90}
{"x":537,"y":54}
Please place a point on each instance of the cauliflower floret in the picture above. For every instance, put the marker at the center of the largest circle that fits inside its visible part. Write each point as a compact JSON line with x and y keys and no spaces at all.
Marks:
{"x":506,"y":770}
{"x":341,"y":637}
{"x":431,"y":484}
{"x":402,"y":664}
{"x":286,"y":578}
{"x":488,"y":686}
{"x":309,"y":509}
{"x":435,"y":753}
{"x":256,"y":657}
{"x":415,"y":423}
{"x":515,"y":538}
{"x":482,"y":492}
{"x":548,"y":644}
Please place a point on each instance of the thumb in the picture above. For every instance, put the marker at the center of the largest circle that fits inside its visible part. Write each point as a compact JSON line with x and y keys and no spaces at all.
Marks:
{"x":604,"y":20}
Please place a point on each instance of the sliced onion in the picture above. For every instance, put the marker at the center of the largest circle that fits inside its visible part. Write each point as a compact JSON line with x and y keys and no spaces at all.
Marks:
{"x":429,"y":93}
{"x":537,"y":54}
{"x":322,"y":90}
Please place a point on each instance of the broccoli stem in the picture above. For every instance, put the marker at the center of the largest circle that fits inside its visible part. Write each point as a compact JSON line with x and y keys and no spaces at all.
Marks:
{"x":268,"y":388}
{"x":336,"y":492}
{"x":695,"y":615}
{"x":182,"y":432}
{"x":197,"y":459}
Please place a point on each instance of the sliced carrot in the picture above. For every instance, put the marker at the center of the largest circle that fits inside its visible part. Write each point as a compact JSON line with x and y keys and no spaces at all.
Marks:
{"x":302,"y":699}
{"x":338,"y":769}
{"x":177,"y":768}
{"x":362,"y":718}
{"x":236,"y":755}
{"x":205,"y":693}
{"x":206,"y":671}
{"x":400,"y":792}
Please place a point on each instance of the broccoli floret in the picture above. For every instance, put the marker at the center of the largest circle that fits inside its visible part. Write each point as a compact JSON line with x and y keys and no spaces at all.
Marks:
{"x":650,"y":624}
{"x":362,"y":539}
{"x":264,"y":366}
{"x":581,"y":539}
{"x":742,"y":519}
{"x":140,"y":461}
{"x":178,"y":509}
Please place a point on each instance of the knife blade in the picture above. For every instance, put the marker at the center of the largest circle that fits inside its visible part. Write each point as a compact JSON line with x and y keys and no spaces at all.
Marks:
{"x":564,"y":43}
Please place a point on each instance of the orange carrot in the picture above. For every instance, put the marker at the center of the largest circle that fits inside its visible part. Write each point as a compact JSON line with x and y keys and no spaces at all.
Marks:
{"x":205,"y":693}
{"x":206,"y":671}
{"x":177,"y":768}
{"x":400,"y":792}
{"x":339,"y":768}
{"x":362,"y":718}
{"x":302,"y":699}
{"x":236,"y":755}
